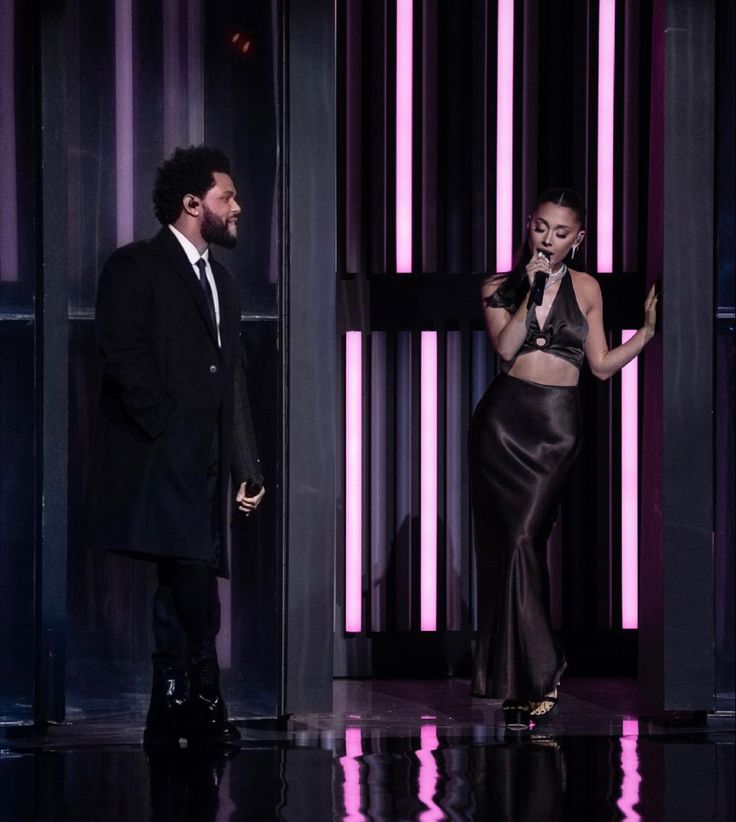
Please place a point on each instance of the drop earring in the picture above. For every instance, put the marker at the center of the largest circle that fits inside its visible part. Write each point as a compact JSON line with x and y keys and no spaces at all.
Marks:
{"x":574,"y":249}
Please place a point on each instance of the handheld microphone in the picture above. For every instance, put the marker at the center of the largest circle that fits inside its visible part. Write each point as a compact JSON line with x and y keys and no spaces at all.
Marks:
{"x":253,"y":485}
{"x":536,"y":295}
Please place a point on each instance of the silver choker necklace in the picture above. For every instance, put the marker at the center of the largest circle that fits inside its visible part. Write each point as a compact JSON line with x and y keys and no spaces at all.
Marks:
{"x":556,"y":275}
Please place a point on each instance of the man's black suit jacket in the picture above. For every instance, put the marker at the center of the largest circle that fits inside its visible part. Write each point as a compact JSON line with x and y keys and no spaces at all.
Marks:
{"x":168,"y":391}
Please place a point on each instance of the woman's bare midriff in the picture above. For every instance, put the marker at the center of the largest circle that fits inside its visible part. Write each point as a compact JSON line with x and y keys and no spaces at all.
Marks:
{"x":543,"y":368}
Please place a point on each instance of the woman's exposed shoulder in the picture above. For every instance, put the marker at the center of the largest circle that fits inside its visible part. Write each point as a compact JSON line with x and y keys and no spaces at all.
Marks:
{"x":582,"y":277}
{"x":587,"y":290}
{"x":584,"y":282}
{"x":492,"y":283}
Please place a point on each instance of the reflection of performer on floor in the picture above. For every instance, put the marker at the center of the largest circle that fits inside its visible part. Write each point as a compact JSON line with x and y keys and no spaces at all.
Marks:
{"x":174,"y":429}
{"x":543,"y":320}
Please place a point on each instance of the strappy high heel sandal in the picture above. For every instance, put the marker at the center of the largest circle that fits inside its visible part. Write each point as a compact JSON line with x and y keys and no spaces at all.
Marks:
{"x":516,"y":715}
{"x":545,"y":708}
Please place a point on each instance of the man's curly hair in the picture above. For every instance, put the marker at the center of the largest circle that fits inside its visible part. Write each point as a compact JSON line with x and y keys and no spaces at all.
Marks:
{"x":187,"y":171}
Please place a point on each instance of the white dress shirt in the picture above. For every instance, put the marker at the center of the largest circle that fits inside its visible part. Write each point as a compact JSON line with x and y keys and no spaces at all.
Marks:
{"x":193,"y":255}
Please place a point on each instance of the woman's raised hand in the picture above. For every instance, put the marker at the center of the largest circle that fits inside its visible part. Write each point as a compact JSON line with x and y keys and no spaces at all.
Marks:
{"x":538,"y":262}
{"x":650,"y":312}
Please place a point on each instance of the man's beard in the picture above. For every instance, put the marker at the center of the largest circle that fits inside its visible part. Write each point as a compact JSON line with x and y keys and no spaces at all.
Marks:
{"x":215,"y":230}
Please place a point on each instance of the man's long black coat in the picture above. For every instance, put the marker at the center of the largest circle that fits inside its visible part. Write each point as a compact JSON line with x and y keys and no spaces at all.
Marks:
{"x":167,"y":389}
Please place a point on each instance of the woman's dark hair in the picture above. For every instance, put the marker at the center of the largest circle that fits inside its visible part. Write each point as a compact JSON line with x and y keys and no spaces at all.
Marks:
{"x":188,"y":171}
{"x":565,"y":197}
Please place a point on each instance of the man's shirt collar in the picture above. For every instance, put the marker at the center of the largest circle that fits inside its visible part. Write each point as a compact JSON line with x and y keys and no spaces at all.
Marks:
{"x":189,"y":248}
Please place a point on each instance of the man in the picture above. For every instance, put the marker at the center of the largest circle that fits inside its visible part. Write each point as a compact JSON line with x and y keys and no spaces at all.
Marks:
{"x":174,"y":428}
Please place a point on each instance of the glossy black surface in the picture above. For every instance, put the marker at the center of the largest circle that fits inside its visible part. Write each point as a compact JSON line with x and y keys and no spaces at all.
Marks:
{"x":390,"y":750}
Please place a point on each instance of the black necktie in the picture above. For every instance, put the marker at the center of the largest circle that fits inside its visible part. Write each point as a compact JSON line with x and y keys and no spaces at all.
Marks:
{"x":204,"y":282}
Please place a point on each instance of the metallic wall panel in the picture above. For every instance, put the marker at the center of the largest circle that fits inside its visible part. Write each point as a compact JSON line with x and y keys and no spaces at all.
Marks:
{"x":380,"y":484}
{"x":676,"y":596}
{"x":310,"y":357}
{"x":405,"y":539}
{"x":725,"y":404}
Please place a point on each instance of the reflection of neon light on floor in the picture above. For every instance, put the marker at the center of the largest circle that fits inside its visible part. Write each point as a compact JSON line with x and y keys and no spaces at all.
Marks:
{"x":606,"y":78}
{"x":353,"y":480}
{"x":404,"y":113}
{"x":505,"y":136}
{"x":428,"y":483}
{"x":429,"y":775}
{"x":351,"y":773}
{"x":631,"y":780}
{"x":629,"y":492}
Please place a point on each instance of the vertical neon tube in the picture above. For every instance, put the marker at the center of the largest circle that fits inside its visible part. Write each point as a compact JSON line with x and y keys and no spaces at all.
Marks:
{"x":195,"y":74}
{"x":8,"y":174}
{"x":428,"y":482}
{"x":404,"y":106}
{"x":505,"y":137}
{"x":353,"y":480}
{"x":174,"y":90}
{"x":629,"y":491}
{"x":124,"y":191}
{"x":606,"y":78}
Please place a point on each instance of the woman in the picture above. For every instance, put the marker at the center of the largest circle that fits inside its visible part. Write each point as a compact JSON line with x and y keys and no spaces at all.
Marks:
{"x":543,"y":320}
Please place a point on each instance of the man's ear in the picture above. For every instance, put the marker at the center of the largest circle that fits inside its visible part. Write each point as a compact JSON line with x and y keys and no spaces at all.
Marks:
{"x":191,"y":204}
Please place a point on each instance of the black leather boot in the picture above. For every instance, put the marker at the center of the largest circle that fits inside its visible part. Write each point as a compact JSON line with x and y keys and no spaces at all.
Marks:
{"x":210,"y":711}
{"x":170,"y":713}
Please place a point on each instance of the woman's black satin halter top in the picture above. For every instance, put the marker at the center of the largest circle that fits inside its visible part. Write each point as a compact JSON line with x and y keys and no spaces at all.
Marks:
{"x":565,"y":329}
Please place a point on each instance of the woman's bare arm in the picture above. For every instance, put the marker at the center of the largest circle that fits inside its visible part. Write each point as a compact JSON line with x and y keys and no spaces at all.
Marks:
{"x":605,"y":362}
{"x":507,"y":331}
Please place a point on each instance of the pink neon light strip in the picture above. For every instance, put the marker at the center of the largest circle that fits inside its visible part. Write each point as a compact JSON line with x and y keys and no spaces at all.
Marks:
{"x":428,"y":482}
{"x":606,"y":77}
{"x":630,"y":727}
{"x":124,"y":193}
{"x":404,"y":105}
{"x":353,"y":481}
{"x":505,"y":136}
{"x":629,"y":491}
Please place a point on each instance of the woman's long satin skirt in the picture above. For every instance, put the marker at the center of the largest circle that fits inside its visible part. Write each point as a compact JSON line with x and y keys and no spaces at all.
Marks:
{"x":523,"y":440}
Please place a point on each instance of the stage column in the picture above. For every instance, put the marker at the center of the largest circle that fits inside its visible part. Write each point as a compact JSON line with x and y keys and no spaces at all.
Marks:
{"x":676,"y":573}
{"x":52,"y":343}
{"x":310,"y":358}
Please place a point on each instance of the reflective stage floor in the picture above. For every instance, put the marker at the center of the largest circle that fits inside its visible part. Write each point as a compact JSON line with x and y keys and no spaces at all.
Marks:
{"x":404,"y":750}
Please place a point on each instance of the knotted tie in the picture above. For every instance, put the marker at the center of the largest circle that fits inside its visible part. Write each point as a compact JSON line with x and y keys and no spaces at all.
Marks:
{"x":204,"y":282}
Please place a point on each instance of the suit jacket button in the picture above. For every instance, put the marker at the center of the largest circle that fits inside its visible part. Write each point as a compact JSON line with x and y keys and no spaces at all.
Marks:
{"x":213,"y":369}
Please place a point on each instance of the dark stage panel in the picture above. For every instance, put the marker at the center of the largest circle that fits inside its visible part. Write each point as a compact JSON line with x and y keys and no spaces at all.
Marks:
{"x":391,"y":750}
{"x":17,"y":522}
